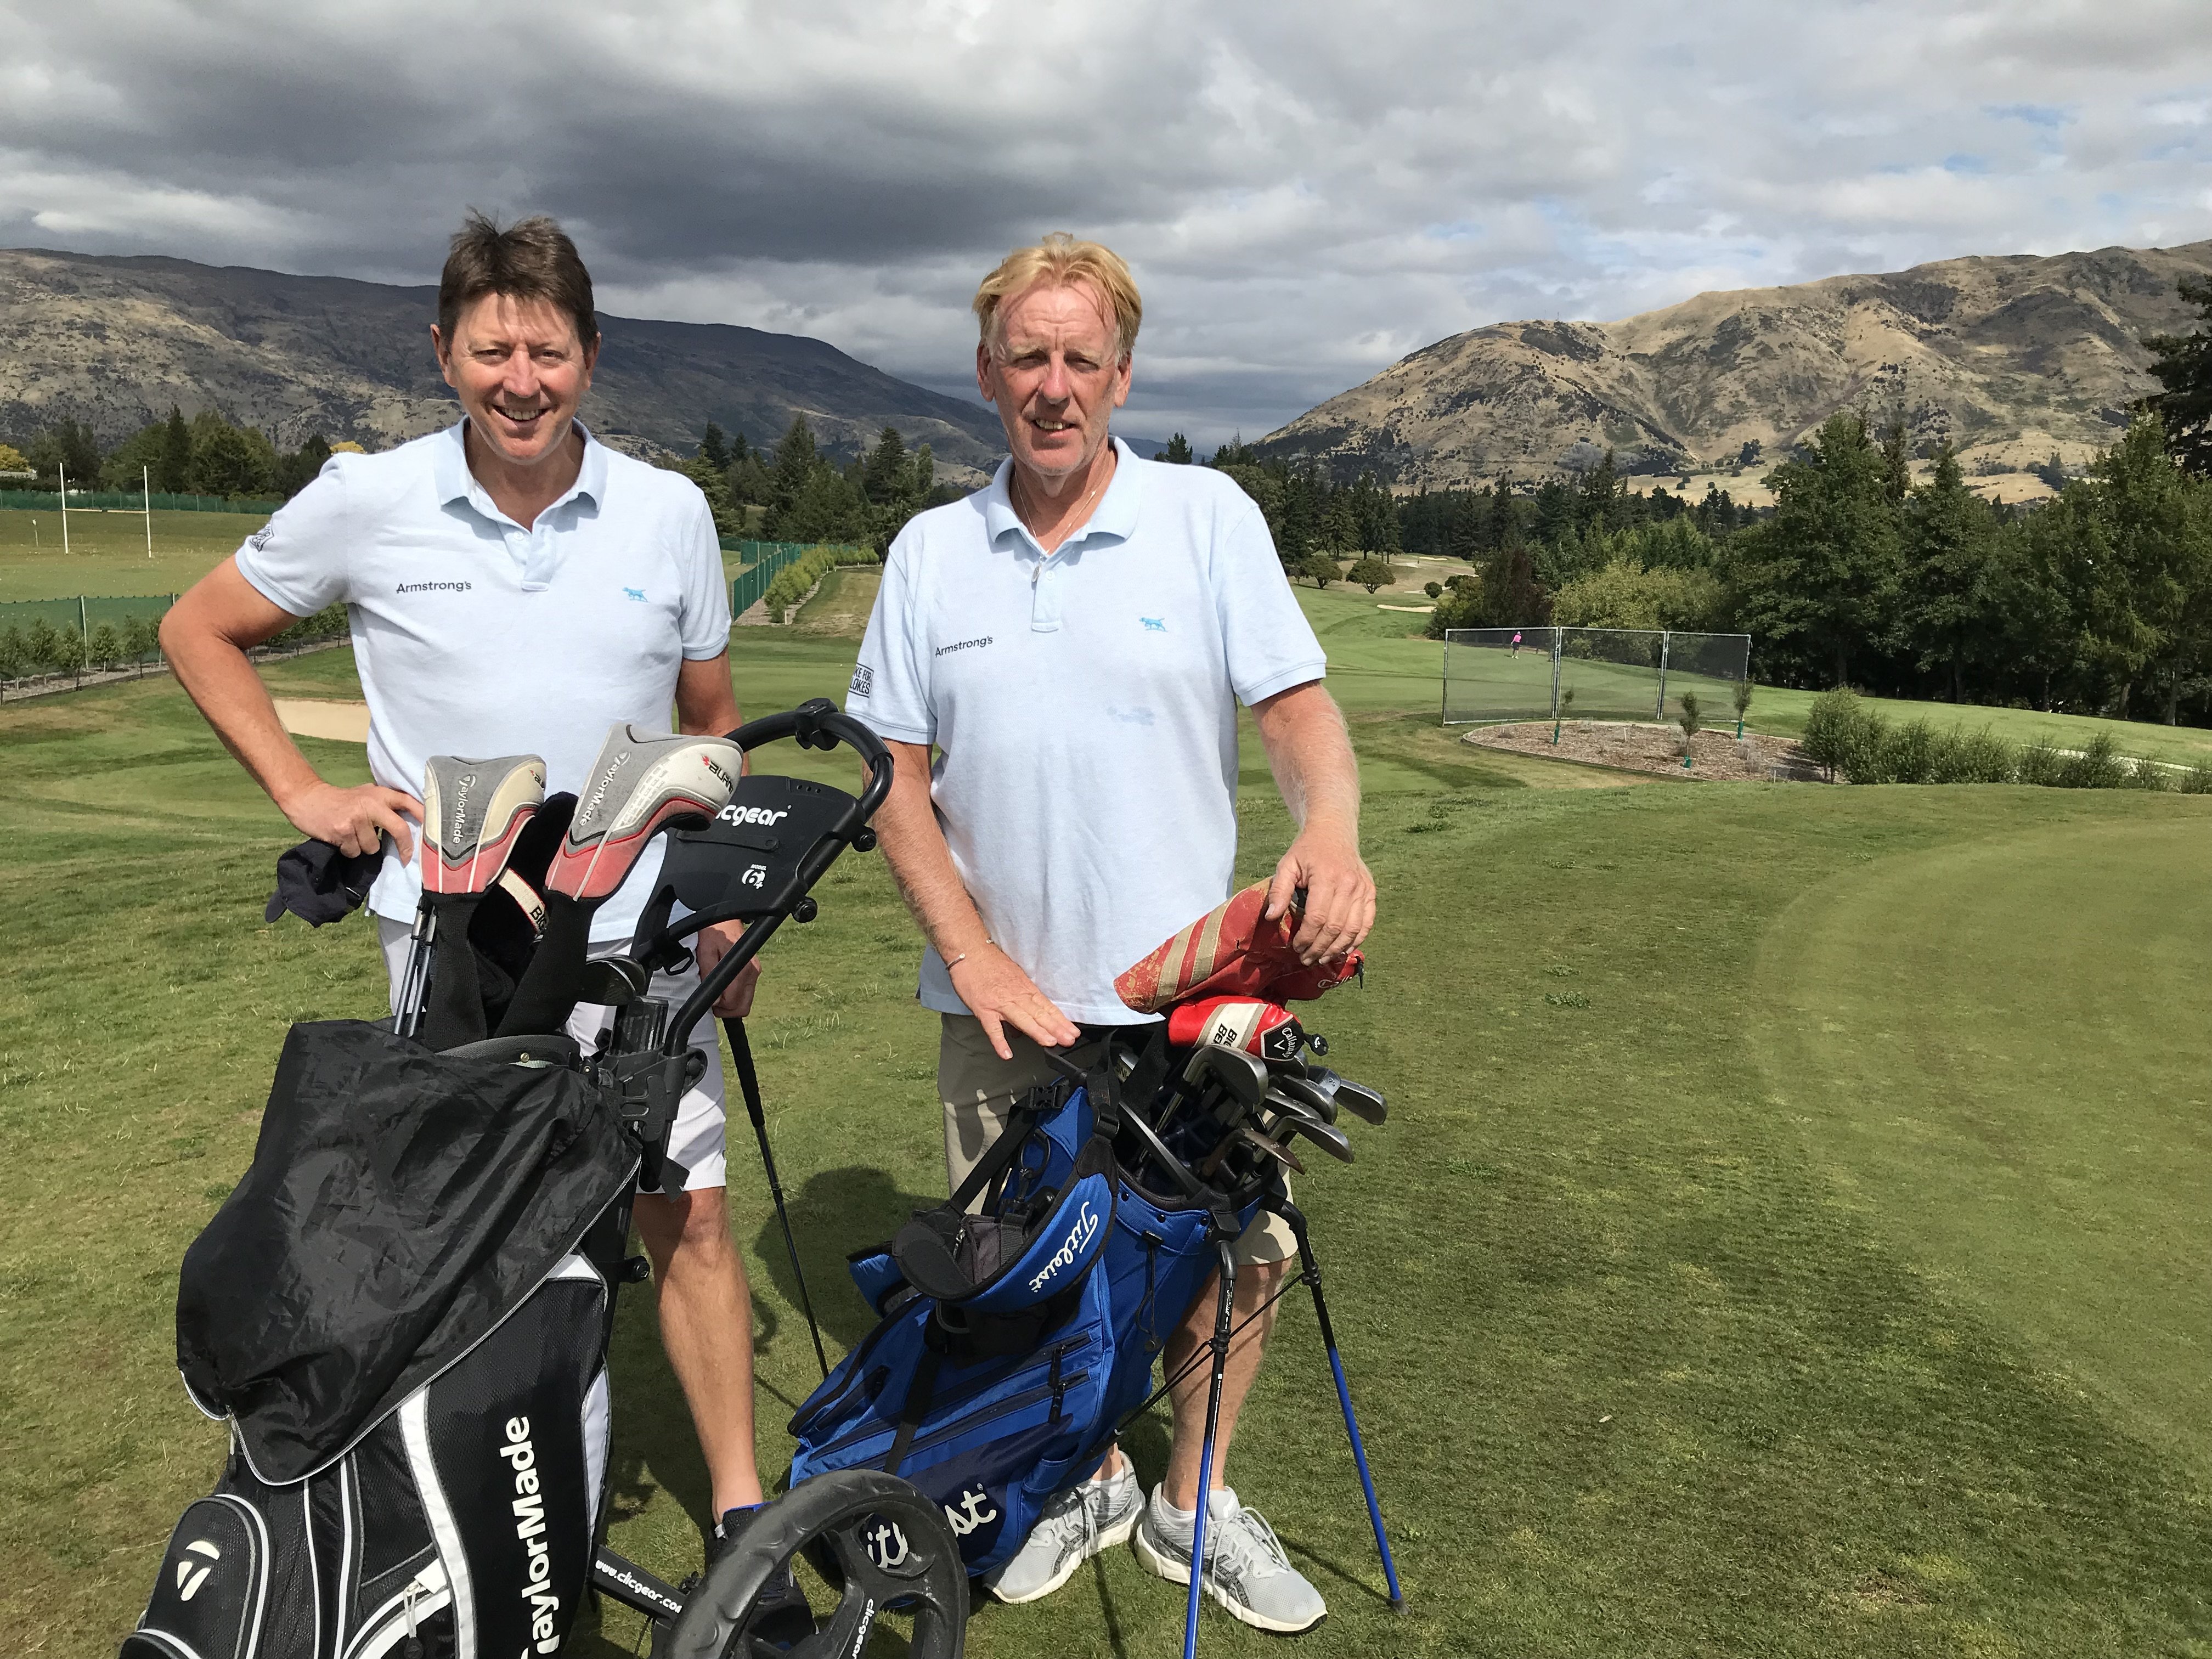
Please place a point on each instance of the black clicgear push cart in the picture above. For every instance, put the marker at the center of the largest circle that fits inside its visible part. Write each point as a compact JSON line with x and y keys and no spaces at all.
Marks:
{"x":757,"y":862}
{"x":403,"y":1311}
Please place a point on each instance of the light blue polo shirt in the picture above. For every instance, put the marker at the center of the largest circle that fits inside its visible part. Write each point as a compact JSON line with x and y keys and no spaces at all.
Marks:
{"x":475,"y":637}
{"x":1086,"y":704}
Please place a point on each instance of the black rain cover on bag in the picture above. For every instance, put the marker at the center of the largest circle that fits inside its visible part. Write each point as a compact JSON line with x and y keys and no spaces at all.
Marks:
{"x":401,"y":1203}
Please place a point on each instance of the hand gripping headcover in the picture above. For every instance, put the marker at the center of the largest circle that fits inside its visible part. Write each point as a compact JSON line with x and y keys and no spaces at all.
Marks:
{"x":472,"y":812}
{"x":1233,"y":949}
{"x":638,"y":783}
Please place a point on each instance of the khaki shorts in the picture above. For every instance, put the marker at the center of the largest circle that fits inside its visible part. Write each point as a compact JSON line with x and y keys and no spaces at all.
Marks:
{"x":978,"y":1090}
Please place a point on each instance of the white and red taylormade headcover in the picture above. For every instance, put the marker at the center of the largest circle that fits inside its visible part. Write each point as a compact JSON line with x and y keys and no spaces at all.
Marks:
{"x":640,"y":781}
{"x":1232,"y":950}
{"x":473,"y":811}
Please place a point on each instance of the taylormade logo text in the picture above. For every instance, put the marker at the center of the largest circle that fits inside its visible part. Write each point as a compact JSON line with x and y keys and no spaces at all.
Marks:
{"x":521,"y":1456}
{"x":1079,"y":1236}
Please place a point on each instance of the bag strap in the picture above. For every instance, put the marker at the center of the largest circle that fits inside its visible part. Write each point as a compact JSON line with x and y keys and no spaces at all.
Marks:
{"x":1001,"y":1157}
{"x":916,"y":1407}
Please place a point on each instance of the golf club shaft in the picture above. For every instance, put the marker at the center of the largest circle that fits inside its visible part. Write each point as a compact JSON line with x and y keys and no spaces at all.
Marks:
{"x":416,"y":981}
{"x":1290,"y":1214}
{"x":1222,"y":1318}
{"x":741,"y":1051}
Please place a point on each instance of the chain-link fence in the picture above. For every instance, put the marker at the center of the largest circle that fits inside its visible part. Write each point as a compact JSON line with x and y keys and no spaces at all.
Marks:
{"x":1495,"y":674}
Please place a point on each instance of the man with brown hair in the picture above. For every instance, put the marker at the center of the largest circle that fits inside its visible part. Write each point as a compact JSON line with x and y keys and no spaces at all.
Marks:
{"x":1074,"y":640}
{"x":515,"y":587}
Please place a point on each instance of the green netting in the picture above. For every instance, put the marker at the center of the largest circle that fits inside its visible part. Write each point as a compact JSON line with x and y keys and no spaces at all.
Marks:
{"x":768,"y":560}
{"x":61,"y":637}
{"x":1589,"y":673}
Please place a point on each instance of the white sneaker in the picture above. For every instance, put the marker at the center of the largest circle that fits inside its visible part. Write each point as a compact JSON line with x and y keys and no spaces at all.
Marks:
{"x":1080,"y":1523}
{"x":1246,"y":1569}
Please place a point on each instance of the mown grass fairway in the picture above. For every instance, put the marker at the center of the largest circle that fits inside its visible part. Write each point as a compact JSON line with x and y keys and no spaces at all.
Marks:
{"x":1788,"y":1238}
{"x":107,"y":552}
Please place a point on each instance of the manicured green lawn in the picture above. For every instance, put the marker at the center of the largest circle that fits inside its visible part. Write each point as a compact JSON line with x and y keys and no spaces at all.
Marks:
{"x":107,"y":552}
{"x":1788,"y":1238}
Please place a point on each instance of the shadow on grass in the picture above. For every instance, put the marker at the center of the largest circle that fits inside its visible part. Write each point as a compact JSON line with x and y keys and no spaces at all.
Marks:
{"x":834,"y":1214}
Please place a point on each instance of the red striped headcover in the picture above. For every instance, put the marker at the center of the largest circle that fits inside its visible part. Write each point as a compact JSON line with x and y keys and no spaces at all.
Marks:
{"x":1232,"y":950}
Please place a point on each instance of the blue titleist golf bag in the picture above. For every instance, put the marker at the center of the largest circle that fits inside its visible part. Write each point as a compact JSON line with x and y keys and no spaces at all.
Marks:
{"x":1016,"y":1339}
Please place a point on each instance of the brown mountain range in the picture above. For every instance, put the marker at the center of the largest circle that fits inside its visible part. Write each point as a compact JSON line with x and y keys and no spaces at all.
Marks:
{"x":115,"y":342}
{"x":2011,"y":358}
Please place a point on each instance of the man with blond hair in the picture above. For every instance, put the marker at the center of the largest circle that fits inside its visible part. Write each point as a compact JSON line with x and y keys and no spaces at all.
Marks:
{"x":1075,"y":641}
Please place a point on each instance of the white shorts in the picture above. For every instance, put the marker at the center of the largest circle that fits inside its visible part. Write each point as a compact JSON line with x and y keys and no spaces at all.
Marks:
{"x":696,"y":1142}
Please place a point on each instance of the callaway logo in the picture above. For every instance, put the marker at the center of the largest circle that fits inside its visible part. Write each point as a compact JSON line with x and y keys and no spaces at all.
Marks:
{"x":734,"y":814}
{"x":972,"y":1512}
{"x":530,"y":1528}
{"x":434,"y":588}
{"x":190,"y":1574}
{"x":1078,"y":1236}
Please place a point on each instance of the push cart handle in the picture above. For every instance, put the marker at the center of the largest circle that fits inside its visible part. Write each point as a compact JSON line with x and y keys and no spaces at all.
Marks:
{"x":816,"y":724}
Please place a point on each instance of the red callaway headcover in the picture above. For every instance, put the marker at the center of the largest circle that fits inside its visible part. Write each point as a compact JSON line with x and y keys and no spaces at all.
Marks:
{"x":1232,"y":950}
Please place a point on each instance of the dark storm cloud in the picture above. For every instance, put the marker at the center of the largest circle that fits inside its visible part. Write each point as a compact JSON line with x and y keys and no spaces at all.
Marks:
{"x":1307,"y":191}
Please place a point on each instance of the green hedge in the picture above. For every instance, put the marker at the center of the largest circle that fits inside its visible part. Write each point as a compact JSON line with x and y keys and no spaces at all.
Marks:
{"x":796,"y":581}
{"x":1858,"y":745}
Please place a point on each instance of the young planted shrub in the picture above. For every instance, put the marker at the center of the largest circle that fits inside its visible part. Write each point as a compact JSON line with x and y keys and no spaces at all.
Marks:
{"x":1976,"y":757}
{"x":1434,"y":590}
{"x":1835,"y":731}
{"x":2094,"y":766}
{"x":1910,"y":753}
{"x":104,"y":648}
{"x":15,"y":660}
{"x":2143,"y":773}
{"x":1691,"y":719}
{"x":2039,"y":764}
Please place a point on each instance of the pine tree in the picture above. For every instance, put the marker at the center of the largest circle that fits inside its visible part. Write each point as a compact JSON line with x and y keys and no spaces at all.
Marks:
{"x":1949,"y":609}
{"x":1511,"y":595}
{"x":1896,"y":461}
{"x":1178,"y":449}
{"x":714,"y":448}
{"x":173,"y":471}
{"x":885,"y":479}
{"x":1822,"y":573}
{"x":795,"y":464}
{"x":2181,"y":363}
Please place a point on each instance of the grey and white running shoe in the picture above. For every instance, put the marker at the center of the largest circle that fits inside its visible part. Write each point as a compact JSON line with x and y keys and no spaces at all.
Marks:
{"x":1080,"y":1523}
{"x":1246,"y":1569}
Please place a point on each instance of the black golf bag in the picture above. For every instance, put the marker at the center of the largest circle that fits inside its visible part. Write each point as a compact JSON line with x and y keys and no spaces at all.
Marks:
{"x":404,"y":1309}
{"x":419,"y":1412}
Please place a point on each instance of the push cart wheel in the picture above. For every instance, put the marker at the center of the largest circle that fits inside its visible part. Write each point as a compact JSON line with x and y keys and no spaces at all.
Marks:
{"x":892,"y":1552}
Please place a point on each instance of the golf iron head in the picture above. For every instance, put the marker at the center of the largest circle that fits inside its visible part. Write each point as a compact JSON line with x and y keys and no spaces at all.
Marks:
{"x":473,"y":812}
{"x":1293,"y":1117}
{"x":641,"y":784}
{"x":1356,"y":1098}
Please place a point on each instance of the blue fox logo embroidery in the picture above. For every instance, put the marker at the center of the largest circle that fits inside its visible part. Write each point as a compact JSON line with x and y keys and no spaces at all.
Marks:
{"x":637,"y":593}
{"x":1154,"y":624}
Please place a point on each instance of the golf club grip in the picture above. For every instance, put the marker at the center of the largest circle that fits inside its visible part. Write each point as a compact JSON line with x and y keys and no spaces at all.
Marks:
{"x":741,"y":1054}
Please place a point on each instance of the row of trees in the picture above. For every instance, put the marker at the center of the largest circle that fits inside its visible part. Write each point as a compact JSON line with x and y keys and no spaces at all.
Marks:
{"x":2098,"y":600}
{"x":798,"y":493}
{"x":205,"y":455}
